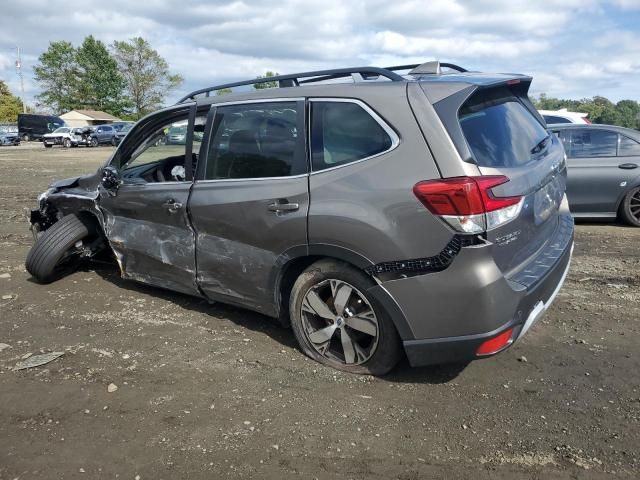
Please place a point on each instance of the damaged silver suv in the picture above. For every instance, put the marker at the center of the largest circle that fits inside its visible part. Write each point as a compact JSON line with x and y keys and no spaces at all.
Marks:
{"x":378,"y":213}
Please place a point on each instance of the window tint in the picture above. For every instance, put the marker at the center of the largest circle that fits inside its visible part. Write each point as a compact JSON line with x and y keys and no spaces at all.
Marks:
{"x":257,"y":140}
{"x":500,"y":131}
{"x":628,"y":147}
{"x":343,"y":132}
{"x":592,"y":143}
{"x":550,"y":119}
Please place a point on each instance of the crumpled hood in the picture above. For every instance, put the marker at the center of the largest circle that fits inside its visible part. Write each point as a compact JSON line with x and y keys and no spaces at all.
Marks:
{"x":65,"y":182}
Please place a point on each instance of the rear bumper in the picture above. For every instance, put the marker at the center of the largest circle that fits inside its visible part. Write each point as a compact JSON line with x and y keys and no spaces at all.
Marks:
{"x":451,"y":313}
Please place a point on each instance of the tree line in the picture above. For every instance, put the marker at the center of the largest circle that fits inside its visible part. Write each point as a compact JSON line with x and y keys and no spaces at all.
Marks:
{"x":625,"y":113}
{"x":10,"y":105}
{"x":127,"y":79}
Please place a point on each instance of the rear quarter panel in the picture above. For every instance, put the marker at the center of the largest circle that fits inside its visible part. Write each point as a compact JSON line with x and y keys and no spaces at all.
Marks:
{"x":369,"y":207}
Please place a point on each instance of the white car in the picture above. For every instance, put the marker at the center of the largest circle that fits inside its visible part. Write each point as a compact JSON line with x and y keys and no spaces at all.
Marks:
{"x":564,"y":116}
{"x":68,"y":137}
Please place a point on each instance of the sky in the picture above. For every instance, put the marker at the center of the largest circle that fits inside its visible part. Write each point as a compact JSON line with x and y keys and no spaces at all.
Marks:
{"x":572,"y":48}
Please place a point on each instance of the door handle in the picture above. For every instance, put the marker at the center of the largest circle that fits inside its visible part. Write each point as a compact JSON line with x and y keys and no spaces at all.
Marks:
{"x":283,"y":206}
{"x":172,"y":206}
{"x":628,"y":166}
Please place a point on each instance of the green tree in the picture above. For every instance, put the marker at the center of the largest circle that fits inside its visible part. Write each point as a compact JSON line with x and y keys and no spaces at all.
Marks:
{"x":58,"y":74}
{"x":629,"y":112}
{"x":223,"y":91}
{"x":625,"y":113}
{"x":146,"y":73}
{"x":263,"y":85}
{"x":100,"y":85}
{"x":10,"y":105}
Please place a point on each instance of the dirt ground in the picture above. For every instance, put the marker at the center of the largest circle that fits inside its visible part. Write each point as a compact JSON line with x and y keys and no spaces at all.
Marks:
{"x":212,"y":391}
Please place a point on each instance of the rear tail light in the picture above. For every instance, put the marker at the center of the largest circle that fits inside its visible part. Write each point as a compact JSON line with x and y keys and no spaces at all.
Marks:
{"x":495,"y":344}
{"x":467,"y":203}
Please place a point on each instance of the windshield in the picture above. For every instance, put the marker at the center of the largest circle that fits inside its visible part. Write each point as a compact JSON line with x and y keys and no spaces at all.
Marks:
{"x":61,"y":130}
{"x":500,"y":130}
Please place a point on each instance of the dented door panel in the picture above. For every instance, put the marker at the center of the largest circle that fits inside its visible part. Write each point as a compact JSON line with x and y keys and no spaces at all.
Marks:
{"x":149,"y":232}
{"x":240,"y":241}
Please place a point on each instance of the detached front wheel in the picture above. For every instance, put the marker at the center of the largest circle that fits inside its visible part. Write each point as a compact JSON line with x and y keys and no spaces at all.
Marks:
{"x":336,"y":322}
{"x":58,"y":250}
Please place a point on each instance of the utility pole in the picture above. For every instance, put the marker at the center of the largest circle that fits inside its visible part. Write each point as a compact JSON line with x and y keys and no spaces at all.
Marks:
{"x":19,"y":72}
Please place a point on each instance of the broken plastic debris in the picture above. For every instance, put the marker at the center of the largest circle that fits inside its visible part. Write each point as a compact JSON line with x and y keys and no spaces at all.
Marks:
{"x":4,"y":346}
{"x":38,"y":360}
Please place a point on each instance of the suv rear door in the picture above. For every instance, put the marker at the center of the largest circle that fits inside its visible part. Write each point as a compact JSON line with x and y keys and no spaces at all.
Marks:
{"x":249,"y":205}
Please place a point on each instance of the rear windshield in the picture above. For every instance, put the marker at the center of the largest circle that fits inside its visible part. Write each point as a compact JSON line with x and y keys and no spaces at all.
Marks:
{"x":499,"y":129}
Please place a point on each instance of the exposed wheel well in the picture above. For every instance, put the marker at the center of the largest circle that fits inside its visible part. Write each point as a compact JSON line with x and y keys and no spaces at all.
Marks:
{"x":290,"y":272}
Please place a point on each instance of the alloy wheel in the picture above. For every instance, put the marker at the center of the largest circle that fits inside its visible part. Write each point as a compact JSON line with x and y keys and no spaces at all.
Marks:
{"x":339,"y":322}
{"x":634,"y":205}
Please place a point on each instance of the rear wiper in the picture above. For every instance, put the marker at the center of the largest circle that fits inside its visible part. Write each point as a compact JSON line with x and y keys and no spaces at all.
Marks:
{"x":541,"y":144}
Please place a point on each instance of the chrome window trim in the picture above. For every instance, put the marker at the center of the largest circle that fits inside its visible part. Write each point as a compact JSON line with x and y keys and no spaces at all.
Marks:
{"x":395,"y":139}
{"x":253,"y":179}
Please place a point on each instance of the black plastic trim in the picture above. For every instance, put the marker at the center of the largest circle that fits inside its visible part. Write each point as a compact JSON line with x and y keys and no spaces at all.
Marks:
{"x":420,"y":266}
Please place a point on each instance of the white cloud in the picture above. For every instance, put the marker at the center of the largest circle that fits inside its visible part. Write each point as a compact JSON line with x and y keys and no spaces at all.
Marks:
{"x":572,"y":47}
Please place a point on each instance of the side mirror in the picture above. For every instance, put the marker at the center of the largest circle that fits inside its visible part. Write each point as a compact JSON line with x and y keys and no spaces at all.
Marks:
{"x":111,"y":179}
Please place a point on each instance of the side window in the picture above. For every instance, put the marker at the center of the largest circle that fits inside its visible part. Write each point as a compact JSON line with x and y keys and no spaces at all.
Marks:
{"x":593,"y":143}
{"x":628,"y":147}
{"x":343,"y":132}
{"x":258,"y":140}
{"x":160,"y":156}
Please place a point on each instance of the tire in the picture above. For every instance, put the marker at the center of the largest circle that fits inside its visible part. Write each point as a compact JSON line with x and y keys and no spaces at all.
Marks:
{"x":630,"y":207}
{"x":375,"y":352}
{"x":51,"y":255}
{"x":94,"y":142}
{"x":66,"y":143}
{"x":46,"y":145}
{"x":114,"y":141}
{"x":25,"y":138}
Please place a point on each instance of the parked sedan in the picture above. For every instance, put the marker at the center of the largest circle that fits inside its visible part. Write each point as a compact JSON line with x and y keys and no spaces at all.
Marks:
{"x":9,"y":135}
{"x":604,"y":178}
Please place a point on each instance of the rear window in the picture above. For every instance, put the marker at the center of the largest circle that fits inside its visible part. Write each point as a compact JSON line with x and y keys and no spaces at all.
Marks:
{"x":344,"y":132}
{"x":500,"y":130}
{"x":550,"y":119}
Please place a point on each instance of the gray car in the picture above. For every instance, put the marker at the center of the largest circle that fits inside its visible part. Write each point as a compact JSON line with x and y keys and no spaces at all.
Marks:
{"x":103,"y":134}
{"x":604,"y":178}
{"x":378,"y":214}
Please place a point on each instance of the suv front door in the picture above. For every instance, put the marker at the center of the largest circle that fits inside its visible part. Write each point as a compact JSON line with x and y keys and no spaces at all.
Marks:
{"x":146,"y":220}
{"x":249,"y":203}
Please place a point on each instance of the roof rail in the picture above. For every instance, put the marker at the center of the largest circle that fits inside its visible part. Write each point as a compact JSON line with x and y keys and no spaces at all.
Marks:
{"x":358,"y":74}
{"x":296,"y":79}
